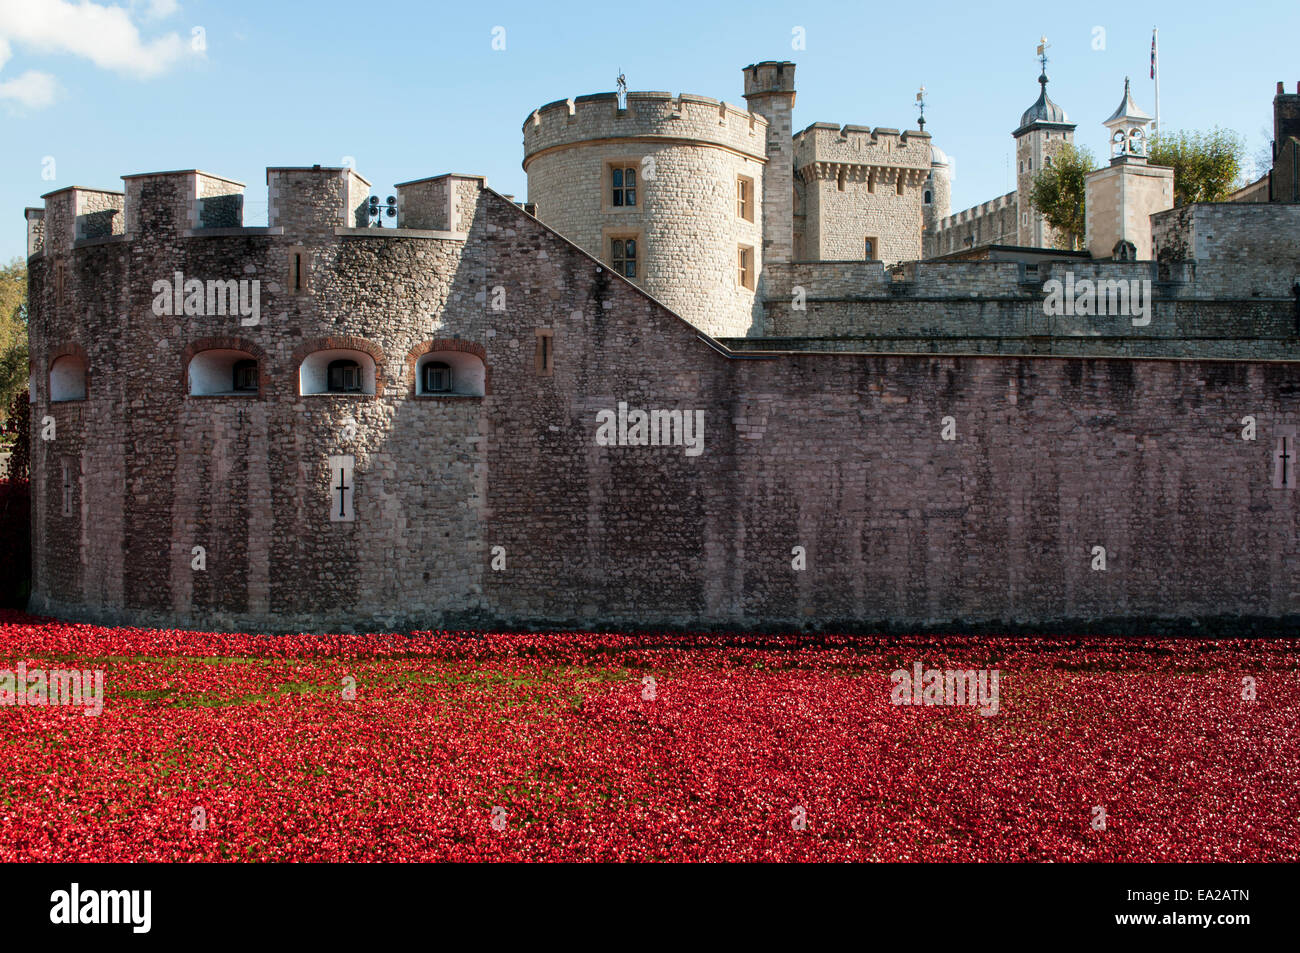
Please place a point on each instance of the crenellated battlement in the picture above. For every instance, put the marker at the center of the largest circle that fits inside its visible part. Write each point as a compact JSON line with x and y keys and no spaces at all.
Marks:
{"x":823,"y":148}
{"x":770,"y":77}
{"x":72,"y":214}
{"x":181,"y":201}
{"x":647,"y":115}
{"x":305,"y":201}
{"x":977,"y":211}
{"x":317,"y":199}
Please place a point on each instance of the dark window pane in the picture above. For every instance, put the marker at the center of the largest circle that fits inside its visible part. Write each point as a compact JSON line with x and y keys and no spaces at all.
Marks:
{"x":631,"y":196}
{"x":631,"y":248}
{"x":618,"y":178}
{"x":618,"y":248}
{"x":630,"y":270}
{"x":631,"y":177}
{"x":618,"y":196}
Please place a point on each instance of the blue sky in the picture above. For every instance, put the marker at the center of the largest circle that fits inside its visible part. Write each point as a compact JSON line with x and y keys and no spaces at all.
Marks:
{"x":415,"y":89}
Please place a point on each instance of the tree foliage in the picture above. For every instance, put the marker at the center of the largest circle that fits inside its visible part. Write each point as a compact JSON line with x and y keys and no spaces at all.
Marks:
{"x":1058,"y":193}
{"x":20,"y":417}
{"x":1206,"y":165}
{"x":13,"y":332}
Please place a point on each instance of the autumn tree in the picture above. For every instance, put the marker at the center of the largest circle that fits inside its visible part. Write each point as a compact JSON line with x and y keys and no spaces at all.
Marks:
{"x":1058,"y":194}
{"x":1206,"y":165}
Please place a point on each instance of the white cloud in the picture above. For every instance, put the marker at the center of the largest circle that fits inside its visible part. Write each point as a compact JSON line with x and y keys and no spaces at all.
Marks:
{"x":157,"y":9}
{"x":32,"y":89}
{"x":104,"y":35}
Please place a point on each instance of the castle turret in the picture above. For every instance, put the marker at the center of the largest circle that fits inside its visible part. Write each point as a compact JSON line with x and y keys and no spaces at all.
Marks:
{"x":1120,"y":198}
{"x":936,"y":199}
{"x":769,"y":91}
{"x":1043,"y":132}
{"x":666,"y":190}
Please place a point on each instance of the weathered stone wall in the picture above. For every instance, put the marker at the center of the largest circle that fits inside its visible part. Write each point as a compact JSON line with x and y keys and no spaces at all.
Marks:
{"x":840,"y":454}
{"x":1208,"y":309}
{"x":1240,"y":235}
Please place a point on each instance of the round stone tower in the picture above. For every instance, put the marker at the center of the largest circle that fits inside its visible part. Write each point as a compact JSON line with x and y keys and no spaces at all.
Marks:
{"x":666,"y":190}
{"x":936,"y":199}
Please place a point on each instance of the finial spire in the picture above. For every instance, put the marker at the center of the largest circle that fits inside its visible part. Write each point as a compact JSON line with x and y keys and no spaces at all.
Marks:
{"x":920,"y":104}
{"x":1042,"y":58}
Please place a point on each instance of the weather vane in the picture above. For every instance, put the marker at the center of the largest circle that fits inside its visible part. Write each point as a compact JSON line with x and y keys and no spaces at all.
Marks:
{"x":920,"y":104}
{"x":1042,"y":51}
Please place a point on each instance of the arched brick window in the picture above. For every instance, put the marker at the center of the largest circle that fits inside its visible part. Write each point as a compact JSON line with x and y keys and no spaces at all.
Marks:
{"x":341,"y":366}
{"x":68,"y":373}
{"x":448,"y":368}
{"x":224,"y":367}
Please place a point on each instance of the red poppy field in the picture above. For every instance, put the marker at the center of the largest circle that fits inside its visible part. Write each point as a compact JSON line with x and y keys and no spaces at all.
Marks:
{"x":461,"y":746}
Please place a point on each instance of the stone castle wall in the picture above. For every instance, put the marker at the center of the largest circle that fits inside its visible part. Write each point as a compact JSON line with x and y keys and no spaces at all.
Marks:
{"x":1203,"y":309}
{"x":1238,"y":234}
{"x":995,"y":222}
{"x":840,"y":454}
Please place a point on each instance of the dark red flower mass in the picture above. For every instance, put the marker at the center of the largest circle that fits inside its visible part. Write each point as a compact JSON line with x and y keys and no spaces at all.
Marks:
{"x":474,"y":746}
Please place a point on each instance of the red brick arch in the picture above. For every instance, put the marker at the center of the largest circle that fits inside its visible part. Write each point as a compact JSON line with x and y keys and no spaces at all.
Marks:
{"x":227,"y":344}
{"x":338,"y":343}
{"x":67,"y":349}
{"x":447,"y":344}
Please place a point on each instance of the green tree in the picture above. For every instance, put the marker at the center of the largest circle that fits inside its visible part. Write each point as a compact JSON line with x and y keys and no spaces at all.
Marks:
{"x":13,"y":332}
{"x":1206,"y":165}
{"x":1058,"y":193}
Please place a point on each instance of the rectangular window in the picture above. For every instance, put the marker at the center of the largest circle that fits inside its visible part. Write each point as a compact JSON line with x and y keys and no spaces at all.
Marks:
{"x":341,"y":487}
{"x":622,"y":256}
{"x":745,"y":267}
{"x":745,"y":197}
{"x":872,"y":247}
{"x":623,"y":179}
{"x":298,"y":266}
{"x":544,"y":357}
{"x":245,"y":375}
{"x":60,"y":276}
{"x":899,"y":184}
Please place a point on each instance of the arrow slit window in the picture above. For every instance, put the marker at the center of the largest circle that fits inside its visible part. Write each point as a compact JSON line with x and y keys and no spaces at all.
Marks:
{"x":341,"y":489}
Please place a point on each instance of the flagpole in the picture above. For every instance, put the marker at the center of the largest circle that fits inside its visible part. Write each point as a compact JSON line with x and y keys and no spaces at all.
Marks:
{"x":1155,"y":70}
